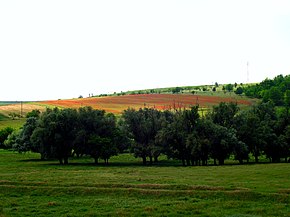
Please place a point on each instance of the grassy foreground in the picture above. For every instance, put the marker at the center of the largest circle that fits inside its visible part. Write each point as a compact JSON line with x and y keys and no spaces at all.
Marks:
{"x":29,"y":187}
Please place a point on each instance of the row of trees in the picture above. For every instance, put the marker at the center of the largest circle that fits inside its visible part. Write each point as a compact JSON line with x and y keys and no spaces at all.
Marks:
{"x":224,"y":132}
{"x":179,"y":134}
{"x":62,"y":133}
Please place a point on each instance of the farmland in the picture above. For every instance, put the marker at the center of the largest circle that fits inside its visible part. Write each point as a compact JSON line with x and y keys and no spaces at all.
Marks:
{"x":29,"y":187}
{"x":116,"y":104}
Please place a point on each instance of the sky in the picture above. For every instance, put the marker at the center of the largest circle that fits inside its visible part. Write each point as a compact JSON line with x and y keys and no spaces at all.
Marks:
{"x":59,"y":49}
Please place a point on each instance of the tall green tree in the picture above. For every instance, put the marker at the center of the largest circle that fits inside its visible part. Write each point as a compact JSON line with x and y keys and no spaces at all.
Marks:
{"x":143,"y":125}
{"x":224,"y":114}
{"x":179,"y":135}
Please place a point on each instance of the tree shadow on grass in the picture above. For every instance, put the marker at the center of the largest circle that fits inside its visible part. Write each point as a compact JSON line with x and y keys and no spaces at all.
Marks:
{"x":162,"y":163}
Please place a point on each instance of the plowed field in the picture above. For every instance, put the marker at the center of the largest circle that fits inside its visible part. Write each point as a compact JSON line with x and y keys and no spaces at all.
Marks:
{"x":116,"y":104}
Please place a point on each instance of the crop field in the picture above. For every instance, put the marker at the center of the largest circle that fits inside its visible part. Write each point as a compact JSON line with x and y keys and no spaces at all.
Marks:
{"x":30,"y":187}
{"x":116,"y":104}
{"x":18,"y":108}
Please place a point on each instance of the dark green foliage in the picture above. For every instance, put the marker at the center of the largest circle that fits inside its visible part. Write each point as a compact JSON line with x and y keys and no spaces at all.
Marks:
{"x":4,"y":133}
{"x":60,"y":133}
{"x":177,"y":90}
{"x":12,"y":139}
{"x":224,"y":114}
{"x":23,"y":142}
{"x":33,"y":113}
{"x":143,"y":125}
{"x":239,"y":90}
{"x":229,"y":87}
{"x":174,"y":134}
{"x":273,"y":90}
{"x":262,"y":130}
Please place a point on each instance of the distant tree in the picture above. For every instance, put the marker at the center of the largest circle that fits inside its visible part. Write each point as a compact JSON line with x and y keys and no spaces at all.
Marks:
{"x":176,"y":90}
{"x":214,"y":89}
{"x":80,"y":96}
{"x":216,"y":84}
{"x":275,"y":95}
{"x":14,"y":115}
{"x":34,"y":113}
{"x":229,"y":87}
{"x":239,"y":90}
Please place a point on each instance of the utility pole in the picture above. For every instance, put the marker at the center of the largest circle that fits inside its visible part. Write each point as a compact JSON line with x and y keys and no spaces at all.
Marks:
{"x":21,"y":109}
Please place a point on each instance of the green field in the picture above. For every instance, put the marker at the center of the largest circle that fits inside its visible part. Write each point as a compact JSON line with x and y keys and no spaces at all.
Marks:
{"x":30,"y":187}
{"x":8,"y":122}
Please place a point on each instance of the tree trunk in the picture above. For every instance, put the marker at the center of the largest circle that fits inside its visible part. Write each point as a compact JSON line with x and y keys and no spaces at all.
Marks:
{"x":221,"y":161}
{"x":214,"y":161}
{"x":151,"y":159}
{"x":256,"y":158}
{"x":42,"y":157}
{"x":192,"y":161}
{"x":155,"y":159}
{"x":183,"y":162}
{"x":65,"y":160}
{"x":144,"y":160}
{"x":188,"y":161}
{"x":60,"y":161}
{"x":96,"y":160}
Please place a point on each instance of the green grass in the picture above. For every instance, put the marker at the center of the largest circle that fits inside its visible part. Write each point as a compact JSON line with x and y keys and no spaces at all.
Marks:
{"x":16,"y":124}
{"x":8,"y":122}
{"x":30,"y":187}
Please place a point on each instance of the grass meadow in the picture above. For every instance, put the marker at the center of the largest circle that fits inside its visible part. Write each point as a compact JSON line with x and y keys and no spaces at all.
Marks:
{"x":8,"y":122}
{"x":30,"y":187}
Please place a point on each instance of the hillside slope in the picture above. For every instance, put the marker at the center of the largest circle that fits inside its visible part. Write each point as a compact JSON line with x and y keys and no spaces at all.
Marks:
{"x":116,"y":104}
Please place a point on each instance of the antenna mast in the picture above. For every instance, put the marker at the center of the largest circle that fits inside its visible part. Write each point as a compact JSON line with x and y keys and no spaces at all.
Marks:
{"x":248,"y":72}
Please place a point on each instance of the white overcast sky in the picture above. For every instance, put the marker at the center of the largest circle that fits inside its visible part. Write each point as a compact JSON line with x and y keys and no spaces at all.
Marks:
{"x":65,"y":48}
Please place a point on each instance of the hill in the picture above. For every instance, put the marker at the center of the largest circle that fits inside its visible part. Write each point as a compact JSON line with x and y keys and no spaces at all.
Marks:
{"x":116,"y":104}
{"x":162,"y":98}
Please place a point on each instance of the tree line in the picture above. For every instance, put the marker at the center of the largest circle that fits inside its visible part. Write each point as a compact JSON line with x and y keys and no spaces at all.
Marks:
{"x":147,"y":133}
{"x":274,"y":90}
